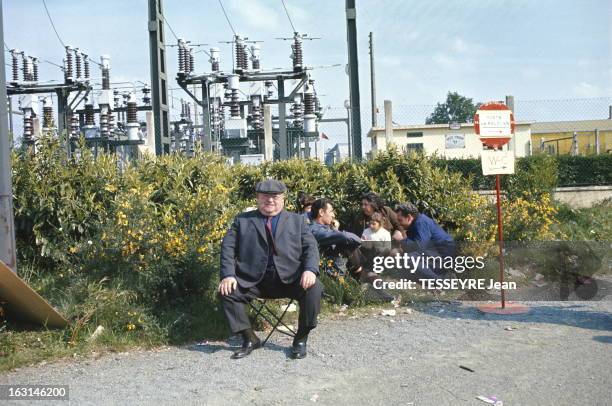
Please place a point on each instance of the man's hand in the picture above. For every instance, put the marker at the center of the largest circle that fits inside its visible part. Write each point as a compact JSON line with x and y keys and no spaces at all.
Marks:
{"x":308,"y":279}
{"x":227,"y":285}
{"x":397,"y":235}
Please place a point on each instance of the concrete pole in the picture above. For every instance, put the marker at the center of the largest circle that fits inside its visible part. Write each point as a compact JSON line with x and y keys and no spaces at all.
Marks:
{"x":350,"y":139}
{"x":596,"y":141}
{"x":351,"y":33}
{"x":372,"y":80}
{"x":10,"y":114}
{"x":268,"y":141}
{"x":388,"y":123}
{"x":7,"y":225}
{"x":510,"y":102}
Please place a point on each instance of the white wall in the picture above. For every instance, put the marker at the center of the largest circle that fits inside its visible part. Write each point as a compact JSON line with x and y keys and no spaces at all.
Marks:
{"x":434,"y":140}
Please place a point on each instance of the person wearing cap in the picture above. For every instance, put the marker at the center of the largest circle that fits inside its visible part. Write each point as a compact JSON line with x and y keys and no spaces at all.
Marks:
{"x":269,"y":253}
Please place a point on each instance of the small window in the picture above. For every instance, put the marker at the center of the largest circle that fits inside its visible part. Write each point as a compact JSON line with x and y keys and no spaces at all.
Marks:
{"x":162,"y":61}
{"x":414,"y":147}
{"x":163,"y":92}
{"x":415,"y":134}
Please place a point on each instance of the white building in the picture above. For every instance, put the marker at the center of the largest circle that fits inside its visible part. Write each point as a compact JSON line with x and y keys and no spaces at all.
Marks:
{"x":440,"y":140}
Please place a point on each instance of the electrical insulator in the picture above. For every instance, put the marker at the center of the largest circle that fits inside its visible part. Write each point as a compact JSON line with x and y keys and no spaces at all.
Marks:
{"x":111,"y":124}
{"x":186,"y":60}
{"x":85,"y":66}
{"x":255,"y":57}
{"x":256,"y":112}
{"x":269,"y":91}
{"x":297,"y":111}
{"x":234,"y":87}
{"x":146,"y":99}
{"x":105,"y":59}
{"x":214,"y":59}
{"x":27,"y":68}
{"x":77,"y":59}
{"x":28,"y":129}
{"x":74,"y":127}
{"x":181,"y":56}
{"x":104,"y":129}
{"x":35,"y":69}
{"x":241,"y":55}
{"x":132,"y":119}
{"x":296,"y":52}
{"x":68,"y":74}
{"x":309,"y":103}
{"x":47,"y":114}
{"x":15,"y":65}
{"x":191,"y":60}
{"x":89,"y":115}
{"x":132,"y":112}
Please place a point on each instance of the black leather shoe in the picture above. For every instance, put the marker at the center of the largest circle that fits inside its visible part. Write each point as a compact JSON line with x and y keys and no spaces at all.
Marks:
{"x":298,"y":350}
{"x":247,"y":348}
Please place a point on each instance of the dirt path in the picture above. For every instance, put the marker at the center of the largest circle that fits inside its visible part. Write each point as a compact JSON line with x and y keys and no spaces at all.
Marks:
{"x":559,"y":354}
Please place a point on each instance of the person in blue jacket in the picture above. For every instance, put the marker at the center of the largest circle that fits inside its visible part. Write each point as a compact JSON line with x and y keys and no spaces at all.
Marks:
{"x":424,"y":236}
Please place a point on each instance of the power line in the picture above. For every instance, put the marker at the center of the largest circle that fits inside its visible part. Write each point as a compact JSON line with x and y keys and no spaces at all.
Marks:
{"x":168,"y":24}
{"x":288,"y":16}
{"x":227,"y":18}
{"x":53,"y":25}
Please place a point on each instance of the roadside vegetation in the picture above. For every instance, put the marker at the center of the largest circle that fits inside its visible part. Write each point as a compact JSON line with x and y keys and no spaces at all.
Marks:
{"x":135,"y":252}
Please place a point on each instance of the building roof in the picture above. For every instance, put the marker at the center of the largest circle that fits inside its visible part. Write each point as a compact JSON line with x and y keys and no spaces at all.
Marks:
{"x":567,"y":126}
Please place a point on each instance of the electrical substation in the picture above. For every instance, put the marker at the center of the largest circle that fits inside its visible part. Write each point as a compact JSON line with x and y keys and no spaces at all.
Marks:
{"x":232,"y":105}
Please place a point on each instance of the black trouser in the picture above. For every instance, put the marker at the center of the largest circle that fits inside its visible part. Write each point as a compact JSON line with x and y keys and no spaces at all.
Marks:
{"x":271,"y":287}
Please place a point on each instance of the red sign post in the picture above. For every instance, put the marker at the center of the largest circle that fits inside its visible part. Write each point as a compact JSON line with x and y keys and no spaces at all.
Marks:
{"x":494,"y":124}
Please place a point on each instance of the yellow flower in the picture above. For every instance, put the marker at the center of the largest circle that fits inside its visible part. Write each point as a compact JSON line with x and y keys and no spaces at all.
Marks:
{"x":131,"y":326}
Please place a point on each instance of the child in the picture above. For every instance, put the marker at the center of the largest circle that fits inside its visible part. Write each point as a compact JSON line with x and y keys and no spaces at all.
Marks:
{"x":375,"y":231}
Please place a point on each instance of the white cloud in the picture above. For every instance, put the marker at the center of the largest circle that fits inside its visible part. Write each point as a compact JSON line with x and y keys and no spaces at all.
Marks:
{"x":411,"y":36}
{"x":444,"y":61}
{"x":253,"y":15}
{"x":459,"y":45}
{"x":390,"y":61}
{"x":531,"y":72}
{"x":584,"y":89}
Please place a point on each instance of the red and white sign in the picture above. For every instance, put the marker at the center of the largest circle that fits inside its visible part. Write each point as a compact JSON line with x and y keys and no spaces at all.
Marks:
{"x":494,"y":124}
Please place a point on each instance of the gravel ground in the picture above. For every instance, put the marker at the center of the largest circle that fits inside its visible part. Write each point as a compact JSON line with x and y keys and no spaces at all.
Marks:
{"x":558,"y":354}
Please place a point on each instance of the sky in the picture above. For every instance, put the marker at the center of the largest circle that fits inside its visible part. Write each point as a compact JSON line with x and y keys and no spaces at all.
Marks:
{"x":483,"y":49}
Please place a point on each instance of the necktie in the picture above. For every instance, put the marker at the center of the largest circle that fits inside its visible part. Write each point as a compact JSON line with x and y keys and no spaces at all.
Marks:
{"x":270,"y":235}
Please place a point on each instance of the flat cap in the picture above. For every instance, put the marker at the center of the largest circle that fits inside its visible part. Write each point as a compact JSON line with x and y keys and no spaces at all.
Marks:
{"x":271,"y":186}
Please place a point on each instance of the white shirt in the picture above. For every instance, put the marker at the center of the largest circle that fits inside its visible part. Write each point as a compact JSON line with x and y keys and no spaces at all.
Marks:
{"x":380,"y":235}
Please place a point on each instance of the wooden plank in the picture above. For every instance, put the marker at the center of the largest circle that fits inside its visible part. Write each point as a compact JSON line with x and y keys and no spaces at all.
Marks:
{"x":23,"y":303}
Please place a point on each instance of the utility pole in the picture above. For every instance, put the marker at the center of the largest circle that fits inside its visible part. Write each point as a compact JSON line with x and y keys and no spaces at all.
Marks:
{"x":7,"y":224}
{"x":159,"y":83}
{"x":351,"y":33}
{"x":372,"y":80}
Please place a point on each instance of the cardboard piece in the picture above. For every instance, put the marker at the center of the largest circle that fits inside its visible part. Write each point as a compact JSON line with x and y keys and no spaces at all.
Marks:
{"x":23,"y":303}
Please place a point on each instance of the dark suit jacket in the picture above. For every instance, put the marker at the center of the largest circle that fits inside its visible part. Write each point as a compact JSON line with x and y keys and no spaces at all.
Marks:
{"x":244,"y":250}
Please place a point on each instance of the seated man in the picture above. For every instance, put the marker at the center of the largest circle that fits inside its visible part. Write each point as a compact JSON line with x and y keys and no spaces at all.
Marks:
{"x":269,"y":253}
{"x":333,"y":242}
{"x":424,"y":235}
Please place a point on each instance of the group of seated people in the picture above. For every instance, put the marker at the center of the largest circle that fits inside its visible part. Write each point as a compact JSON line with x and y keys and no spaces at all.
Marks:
{"x":271,"y":253}
{"x":378,"y":230}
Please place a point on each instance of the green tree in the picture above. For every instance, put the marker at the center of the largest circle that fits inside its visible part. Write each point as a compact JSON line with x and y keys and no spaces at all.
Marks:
{"x":456,"y":108}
